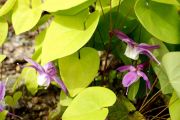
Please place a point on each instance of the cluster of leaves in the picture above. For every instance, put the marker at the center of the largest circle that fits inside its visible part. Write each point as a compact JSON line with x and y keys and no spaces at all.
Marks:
{"x":77,"y":30}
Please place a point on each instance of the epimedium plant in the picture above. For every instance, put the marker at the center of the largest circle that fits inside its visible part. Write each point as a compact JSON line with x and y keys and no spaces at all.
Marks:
{"x":137,"y":36}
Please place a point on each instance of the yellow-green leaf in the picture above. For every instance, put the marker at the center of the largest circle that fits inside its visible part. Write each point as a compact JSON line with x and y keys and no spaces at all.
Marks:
{"x":171,"y":64}
{"x":24,"y":17}
{"x":70,"y":7}
{"x":7,"y":7}
{"x":161,"y":20}
{"x":174,"y":2}
{"x":90,"y":104}
{"x":62,"y":40}
{"x":3,"y":30}
{"x":79,"y":69}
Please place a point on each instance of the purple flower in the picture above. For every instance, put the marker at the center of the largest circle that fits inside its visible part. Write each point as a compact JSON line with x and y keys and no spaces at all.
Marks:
{"x":46,"y":74}
{"x":134,"y":73}
{"x":2,"y":94}
{"x":133,"y":49}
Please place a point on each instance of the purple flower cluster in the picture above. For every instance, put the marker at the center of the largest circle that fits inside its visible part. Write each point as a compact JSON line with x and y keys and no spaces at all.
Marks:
{"x":133,"y":50}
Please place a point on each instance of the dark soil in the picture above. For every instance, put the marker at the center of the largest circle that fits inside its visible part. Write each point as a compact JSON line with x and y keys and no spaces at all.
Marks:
{"x":36,"y":107}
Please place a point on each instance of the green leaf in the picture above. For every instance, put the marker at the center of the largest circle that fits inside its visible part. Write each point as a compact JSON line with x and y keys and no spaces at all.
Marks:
{"x":39,"y":40}
{"x":3,"y":30}
{"x":174,"y":107}
{"x":79,"y":69}
{"x":166,"y":87}
{"x":62,"y":40}
{"x":17,"y":96}
{"x":24,"y":17}
{"x":64,"y":99}
{"x":174,"y":2}
{"x":90,"y":104}
{"x":9,"y":100}
{"x":7,"y":7}
{"x":171,"y":64}
{"x":2,"y":57}
{"x":71,"y":7}
{"x":12,"y":101}
{"x":105,"y":5}
{"x":3,"y":114}
{"x":127,"y":8}
{"x":133,"y":90}
{"x":30,"y":76}
{"x":121,"y":110}
{"x":159,"y":19}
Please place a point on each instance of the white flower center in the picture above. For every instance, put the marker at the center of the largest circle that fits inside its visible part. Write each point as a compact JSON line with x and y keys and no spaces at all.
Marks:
{"x":43,"y":80}
{"x":132,"y":52}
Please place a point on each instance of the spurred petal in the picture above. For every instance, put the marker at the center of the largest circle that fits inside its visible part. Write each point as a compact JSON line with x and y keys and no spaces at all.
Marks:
{"x":143,"y":75}
{"x":50,"y":69}
{"x":148,"y":47}
{"x":44,"y":80}
{"x":150,"y":55}
{"x":2,"y":90}
{"x":125,"y":68}
{"x":60,"y":83}
{"x":129,"y":79}
{"x":123,"y":37}
{"x":35,"y":65}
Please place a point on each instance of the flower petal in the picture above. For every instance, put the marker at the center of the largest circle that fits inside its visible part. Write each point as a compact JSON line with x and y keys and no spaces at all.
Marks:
{"x":132,"y":52}
{"x":143,"y":75}
{"x":2,"y":90}
{"x":50,"y":69}
{"x":142,"y":66}
{"x":60,"y":83}
{"x":149,"y":54}
{"x":35,"y":65}
{"x":1,"y":108}
{"x":44,"y":80}
{"x":125,"y":68}
{"x":148,"y":47}
{"x":129,"y":79}
{"x":123,"y":37}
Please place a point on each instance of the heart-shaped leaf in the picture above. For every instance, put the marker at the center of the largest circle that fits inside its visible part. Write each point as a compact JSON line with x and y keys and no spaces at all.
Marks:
{"x":62,"y":39}
{"x":24,"y":17}
{"x":70,"y":7}
{"x":90,"y":104}
{"x":171,"y":64}
{"x":7,"y":7}
{"x":79,"y":69}
{"x":3,"y":30}
{"x":159,"y":19}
